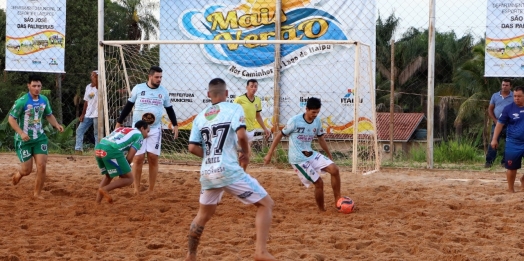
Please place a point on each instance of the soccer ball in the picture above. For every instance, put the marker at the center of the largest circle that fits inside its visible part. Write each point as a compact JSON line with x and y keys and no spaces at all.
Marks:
{"x":345,"y":205}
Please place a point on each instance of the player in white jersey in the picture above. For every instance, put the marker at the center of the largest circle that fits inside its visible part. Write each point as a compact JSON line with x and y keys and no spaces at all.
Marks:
{"x":109,"y":155}
{"x":214,"y":138}
{"x":149,"y":100}
{"x":307,"y":163}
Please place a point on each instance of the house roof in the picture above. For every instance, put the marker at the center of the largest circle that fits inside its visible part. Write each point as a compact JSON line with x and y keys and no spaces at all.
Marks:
{"x":404,"y":125}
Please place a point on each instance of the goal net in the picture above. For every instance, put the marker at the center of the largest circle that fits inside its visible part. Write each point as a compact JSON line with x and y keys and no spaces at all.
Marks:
{"x":339,"y":72}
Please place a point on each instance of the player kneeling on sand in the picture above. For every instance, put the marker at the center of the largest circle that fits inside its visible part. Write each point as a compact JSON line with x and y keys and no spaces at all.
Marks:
{"x":301,"y":129}
{"x":109,"y":154}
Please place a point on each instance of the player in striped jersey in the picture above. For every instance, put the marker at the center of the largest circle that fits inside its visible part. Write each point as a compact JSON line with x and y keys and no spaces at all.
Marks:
{"x":30,"y":140}
{"x":109,"y":155}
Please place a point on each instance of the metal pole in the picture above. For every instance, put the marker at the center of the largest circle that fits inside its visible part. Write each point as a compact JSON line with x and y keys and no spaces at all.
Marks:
{"x":276,"y":79}
{"x":101,"y":88}
{"x":392,"y":99}
{"x":431,"y":84}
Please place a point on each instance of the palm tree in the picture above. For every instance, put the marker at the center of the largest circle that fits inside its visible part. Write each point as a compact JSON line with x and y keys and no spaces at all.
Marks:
{"x":135,"y":17}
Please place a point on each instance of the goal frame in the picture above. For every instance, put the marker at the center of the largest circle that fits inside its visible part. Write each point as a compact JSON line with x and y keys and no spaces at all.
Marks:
{"x":357,"y":85}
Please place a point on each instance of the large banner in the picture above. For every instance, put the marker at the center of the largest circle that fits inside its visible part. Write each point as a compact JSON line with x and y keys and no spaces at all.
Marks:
{"x":35,"y":35}
{"x":307,"y":70}
{"x":504,"y":39}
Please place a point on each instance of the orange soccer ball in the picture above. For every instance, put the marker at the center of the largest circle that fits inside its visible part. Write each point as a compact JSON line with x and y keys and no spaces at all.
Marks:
{"x":345,"y":205}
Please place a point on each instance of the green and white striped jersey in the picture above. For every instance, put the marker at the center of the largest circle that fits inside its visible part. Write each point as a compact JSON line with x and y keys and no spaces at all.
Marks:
{"x":123,"y":139}
{"x":28,"y":114}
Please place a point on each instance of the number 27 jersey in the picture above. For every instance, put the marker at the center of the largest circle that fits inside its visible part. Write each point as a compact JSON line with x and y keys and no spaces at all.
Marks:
{"x":215,"y":130}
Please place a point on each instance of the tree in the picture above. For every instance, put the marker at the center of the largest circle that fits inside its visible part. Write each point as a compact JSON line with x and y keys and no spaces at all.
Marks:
{"x":138,"y":18}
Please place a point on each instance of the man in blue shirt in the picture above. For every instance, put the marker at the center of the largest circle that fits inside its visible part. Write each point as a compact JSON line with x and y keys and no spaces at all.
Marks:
{"x":498,"y":101}
{"x":513,"y":117}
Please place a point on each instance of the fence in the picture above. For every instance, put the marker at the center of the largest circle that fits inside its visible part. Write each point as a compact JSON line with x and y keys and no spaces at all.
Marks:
{"x":462,"y":93}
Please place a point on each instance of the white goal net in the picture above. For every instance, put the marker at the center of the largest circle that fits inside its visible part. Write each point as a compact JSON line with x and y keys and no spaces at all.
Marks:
{"x":340,"y":73}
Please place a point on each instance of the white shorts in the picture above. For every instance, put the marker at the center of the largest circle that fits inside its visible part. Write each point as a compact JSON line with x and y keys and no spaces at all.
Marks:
{"x":309,"y":171}
{"x":250,"y":135}
{"x":247,"y":190}
{"x":152,"y":143}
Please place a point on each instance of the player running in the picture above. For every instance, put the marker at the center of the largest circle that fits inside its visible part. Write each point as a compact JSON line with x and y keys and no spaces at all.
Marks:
{"x":307,"y":163}
{"x":214,"y":138}
{"x":109,"y":155}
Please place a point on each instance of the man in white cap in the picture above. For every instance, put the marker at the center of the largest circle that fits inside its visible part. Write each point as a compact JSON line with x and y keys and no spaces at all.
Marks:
{"x":89,"y":114}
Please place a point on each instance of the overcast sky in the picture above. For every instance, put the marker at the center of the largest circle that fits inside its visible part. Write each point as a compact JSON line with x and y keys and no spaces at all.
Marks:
{"x":459,"y":15}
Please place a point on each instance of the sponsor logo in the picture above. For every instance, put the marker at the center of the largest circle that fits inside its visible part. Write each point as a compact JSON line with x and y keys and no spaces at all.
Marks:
{"x":246,"y":194}
{"x":212,"y":112}
{"x":100,"y":153}
{"x":510,"y":162}
{"x":53,"y":62}
{"x":515,"y":116}
{"x":349,"y":98}
{"x":143,"y":93}
{"x":160,"y":96}
{"x":36,"y":62}
{"x":148,"y":117}
{"x":112,"y":171}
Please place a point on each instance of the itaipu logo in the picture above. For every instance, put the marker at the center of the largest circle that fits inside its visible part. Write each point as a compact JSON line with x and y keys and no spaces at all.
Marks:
{"x":349,"y":98}
{"x":251,"y":20}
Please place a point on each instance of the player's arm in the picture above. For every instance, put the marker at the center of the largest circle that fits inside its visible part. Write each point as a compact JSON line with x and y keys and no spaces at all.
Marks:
{"x":51,"y":119}
{"x":172,"y":117}
{"x":324,"y":146}
{"x":276,"y":140}
{"x":17,"y":129}
{"x":127,"y":109}
{"x":504,"y":117}
{"x":196,"y":149}
{"x":84,"y":110}
{"x":131,"y":154}
{"x":242,"y":139}
{"x":260,"y":121}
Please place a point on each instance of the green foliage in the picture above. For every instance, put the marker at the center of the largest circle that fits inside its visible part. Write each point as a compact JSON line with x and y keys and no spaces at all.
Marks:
{"x":451,"y":151}
{"x":61,"y":141}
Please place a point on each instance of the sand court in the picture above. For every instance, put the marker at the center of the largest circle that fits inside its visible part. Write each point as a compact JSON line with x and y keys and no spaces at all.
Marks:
{"x":402,"y":214}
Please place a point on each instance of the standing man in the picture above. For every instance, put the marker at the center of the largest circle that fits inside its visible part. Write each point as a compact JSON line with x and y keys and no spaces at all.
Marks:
{"x":89,"y":114}
{"x":512,"y":116}
{"x":307,"y":163}
{"x":109,"y":155}
{"x":252,"y":106}
{"x":214,"y":138}
{"x":498,"y":101}
{"x":149,"y":100}
{"x":30,"y":140}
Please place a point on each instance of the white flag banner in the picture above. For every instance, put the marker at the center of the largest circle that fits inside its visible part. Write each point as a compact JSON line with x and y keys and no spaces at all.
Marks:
{"x":504,"y":55}
{"x":35,"y":35}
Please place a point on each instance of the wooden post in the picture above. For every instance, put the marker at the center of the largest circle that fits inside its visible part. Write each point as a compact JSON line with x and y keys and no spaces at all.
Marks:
{"x":392,"y":100}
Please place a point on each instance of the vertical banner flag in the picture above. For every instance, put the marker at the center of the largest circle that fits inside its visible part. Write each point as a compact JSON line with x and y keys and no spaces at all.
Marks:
{"x":35,"y":35}
{"x":325,"y":71}
{"x":504,"y":39}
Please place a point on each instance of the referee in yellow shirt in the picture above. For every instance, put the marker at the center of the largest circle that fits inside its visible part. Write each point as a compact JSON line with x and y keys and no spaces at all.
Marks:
{"x":252,"y":107}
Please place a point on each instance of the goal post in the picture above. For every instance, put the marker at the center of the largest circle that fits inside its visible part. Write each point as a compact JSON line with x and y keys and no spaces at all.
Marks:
{"x":339,"y":72}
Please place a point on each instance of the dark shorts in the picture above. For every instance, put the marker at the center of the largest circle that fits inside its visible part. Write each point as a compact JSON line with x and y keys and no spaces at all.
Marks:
{"x":513,"y":154}
{"x":111,"y":161}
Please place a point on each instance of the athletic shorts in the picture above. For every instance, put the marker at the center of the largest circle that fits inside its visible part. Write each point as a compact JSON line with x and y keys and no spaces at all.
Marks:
{"x":513,"y":155}
{"x":247,"y":190}
{"x":309,"y":171}
{"x":111,"y":161}
{"x":26,"y":149}
{"x":152,"y":143}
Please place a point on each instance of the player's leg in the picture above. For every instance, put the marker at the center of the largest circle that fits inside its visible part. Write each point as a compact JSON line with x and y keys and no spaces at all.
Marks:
{"x":116,"y":167}
{"x":513,"y":156}
{"x":154,"y":145}
{"x":309,"y":175}
{"x":249,"y":191}
{"x":95,"y":129}
{"x":208,"y":205}
{"x":24,"y":151}
{"x":138,"y":163}
{"x":152,"y":160}
{"x":100,"y":193}
{"x":40,"y":155}
{"x":41,"y":162}
{"x":334,"y":171}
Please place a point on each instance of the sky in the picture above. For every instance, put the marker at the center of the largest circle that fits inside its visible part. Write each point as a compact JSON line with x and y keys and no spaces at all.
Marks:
{"x":462,"y":16}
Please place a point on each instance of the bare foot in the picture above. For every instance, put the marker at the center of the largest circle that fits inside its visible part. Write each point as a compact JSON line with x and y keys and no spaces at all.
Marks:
{"x":522,"y":183}
{"x":190,"y":257}
{"x":16,"y":178}
{"x":38,"y":196}
{"x":106,"y":195}
{"x":510,"y":190}
{"x":265,"y":256}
